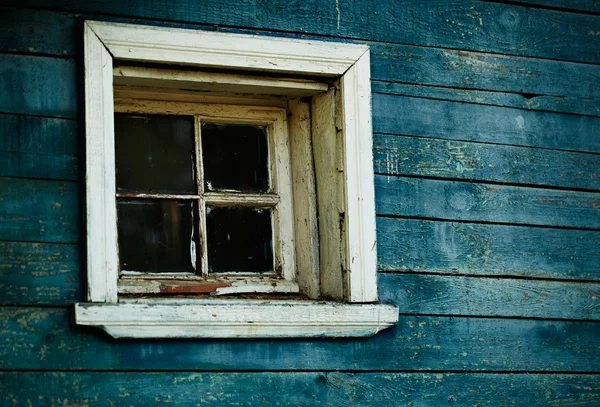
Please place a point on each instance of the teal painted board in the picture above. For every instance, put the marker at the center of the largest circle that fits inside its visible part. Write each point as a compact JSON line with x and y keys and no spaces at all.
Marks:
{"x":483,"y":71}
{"x":589,"y":107}
{"x":40,"y":273}
{"x":39,"y":210}
{"x":37,"y":32}
{"x":499,"y":297}
{"x":45,"y":338}
{"x":579,"y":5}
{"x":331,"y":389}
{"x":415,"y":156}
{"x":491,"y":250}
{"x":38,"y":147}
{"x":35,"y":85}
{"x":475,"y":25}
{"x":465,"y":201}
{"x":487,"y":124}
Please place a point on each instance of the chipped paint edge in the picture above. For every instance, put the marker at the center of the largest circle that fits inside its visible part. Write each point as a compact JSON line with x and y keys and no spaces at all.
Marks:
{"x":237,"y":319}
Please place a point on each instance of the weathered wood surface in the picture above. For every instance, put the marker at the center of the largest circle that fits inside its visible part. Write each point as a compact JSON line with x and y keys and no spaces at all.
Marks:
{"x":493,"y":250}
{"x":39,"y":211}
{"x":530,"y":81}
{"x":559,"y":104}
{"x":456,"y":295}
{"x":46,"y":339}
{"x":296,"y":389}
{"x":489,"y":124}
{"x":36,"y":85}
{"x":458,"y":200}
{"x":483,"y":71}
{"x":579,"y":5}
{"x":40,"y":273}
{"x":487,"y":27}
{"x":399,"y":155}
{"x":37,"y":31}
{"x":38,"y":147}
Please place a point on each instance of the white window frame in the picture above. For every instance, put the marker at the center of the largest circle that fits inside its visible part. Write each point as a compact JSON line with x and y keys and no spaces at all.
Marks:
{"x":356,"y":313}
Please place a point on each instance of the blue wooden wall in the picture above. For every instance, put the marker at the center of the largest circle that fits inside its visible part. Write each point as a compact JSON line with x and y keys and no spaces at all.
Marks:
{"x":487,"y":158}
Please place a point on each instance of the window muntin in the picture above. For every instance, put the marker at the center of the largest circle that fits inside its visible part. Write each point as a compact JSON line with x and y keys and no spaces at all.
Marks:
{"x":222,"y":217}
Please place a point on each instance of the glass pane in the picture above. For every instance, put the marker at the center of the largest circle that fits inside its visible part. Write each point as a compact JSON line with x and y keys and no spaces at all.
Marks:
{"x":155,"y":154}
{"x":157,"y":235}
{"x":239,"y":239}
{"x":235,"y":157}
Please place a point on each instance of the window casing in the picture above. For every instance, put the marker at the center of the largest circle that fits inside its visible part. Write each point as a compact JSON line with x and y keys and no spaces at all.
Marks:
{"x":332,"y":237}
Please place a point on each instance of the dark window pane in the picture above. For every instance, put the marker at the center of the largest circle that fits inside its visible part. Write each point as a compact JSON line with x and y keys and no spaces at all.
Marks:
{"x":239,"y":239}
{"x":157,"y":235}
{"x":235,"y":157}
{"x":155,"y":154}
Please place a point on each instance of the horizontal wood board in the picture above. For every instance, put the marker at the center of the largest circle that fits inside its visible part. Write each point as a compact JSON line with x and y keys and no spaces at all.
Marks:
{"x":425,"y":157}
{"x":480,"y":123}
{"x":47,"y":339}
{"x":485,"y":249}
{"x":465,"y":201}
{"x":457,"y":295}
{"x":39,"y":211}
{"x":301,"y":389}
{"x":39,"y":147}
{"x":489,"y":27}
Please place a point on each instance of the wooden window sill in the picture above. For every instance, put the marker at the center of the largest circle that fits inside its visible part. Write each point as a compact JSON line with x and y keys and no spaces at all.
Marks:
{"x":188,"y":318}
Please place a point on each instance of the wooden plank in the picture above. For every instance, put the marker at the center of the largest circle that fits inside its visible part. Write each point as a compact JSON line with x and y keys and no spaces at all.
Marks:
{"x":39,"y":211}
{"x":41,"y":32}
{"x":465,"y":201}
{"x":493,"y":250}
{"x":559,"y":104}
{"x":38,"y":147}
{"x":482,"y":71}
{"x":479,"y":26}
{"x":301,"y":389}
{"x":576,"y":5}
{"x":399,"y":155}
{"x":488,"y":124}
{"x":327,"y":149}
{"x":498,"y":297}
{"x":46,"y":339}
{"x":38,"y":273}
{"x":36,"y":85}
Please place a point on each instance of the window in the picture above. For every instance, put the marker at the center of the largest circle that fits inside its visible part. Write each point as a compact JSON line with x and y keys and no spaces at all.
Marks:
{"x":225,"y":165}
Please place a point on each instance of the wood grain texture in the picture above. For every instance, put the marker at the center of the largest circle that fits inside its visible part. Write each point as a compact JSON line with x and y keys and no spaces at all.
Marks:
{"x":46,"y":339}
{"x":559,"y":104}
{"x":54,"y":33}
{"x":454,"y":295}
{"x":486,"y":27}
{"x":38,"y":147}
{"x":37,"y":31}
{"x":487,"y":124}
{"x":53,"y":389}
{"x":452,"y":200}
{"x":479,"y":249}
{"x":38,"y":273}
{"x":484,"y":71}
{"x":38,"y":86}
{"x":39,"y":211}
{"x":399,"y":155}
{"x":579,"y":5}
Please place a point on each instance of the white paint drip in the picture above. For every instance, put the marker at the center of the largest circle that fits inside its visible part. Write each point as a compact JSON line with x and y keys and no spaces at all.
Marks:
{"x":339,"y":16}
